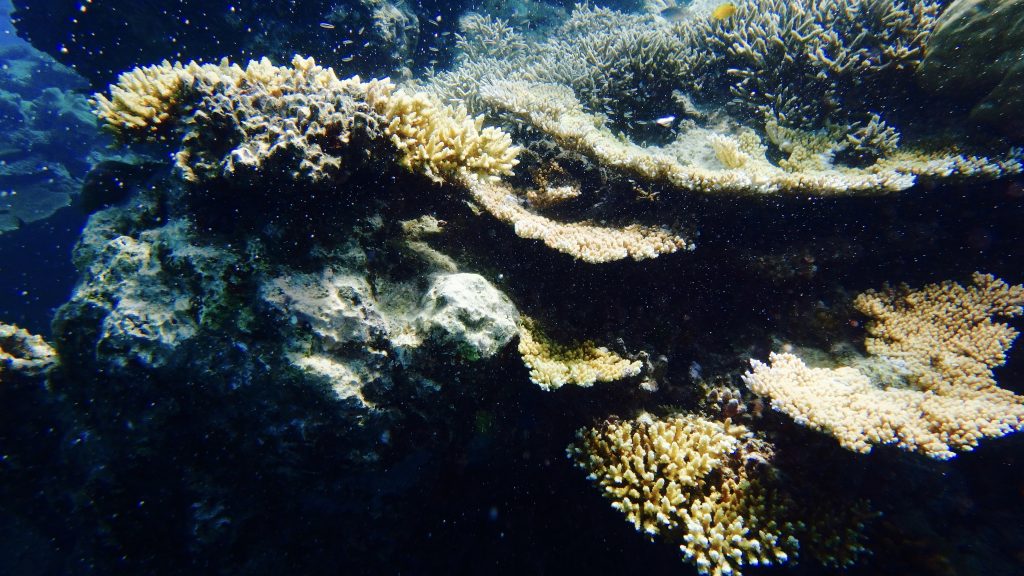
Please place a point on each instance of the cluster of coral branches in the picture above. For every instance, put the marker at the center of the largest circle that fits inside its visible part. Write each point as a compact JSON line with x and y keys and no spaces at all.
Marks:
{"x":782,"y":98}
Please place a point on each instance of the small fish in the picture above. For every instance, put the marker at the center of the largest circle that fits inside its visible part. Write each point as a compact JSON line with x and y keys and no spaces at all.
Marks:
{"x":666,"y":121}
{"x":676,"y":13}
{"x":327,"y":26}
{"x":723,"y":11}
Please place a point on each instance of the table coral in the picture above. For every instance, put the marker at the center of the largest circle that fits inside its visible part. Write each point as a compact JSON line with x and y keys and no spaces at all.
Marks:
{"x":935,"y":348}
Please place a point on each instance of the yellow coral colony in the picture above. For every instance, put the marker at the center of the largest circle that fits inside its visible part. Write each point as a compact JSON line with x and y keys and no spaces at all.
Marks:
{"x":683,"y":478}
{"x":939,"y":344}
{"x":587,"y":242}
{"x":437,"y":141}
{"x":553,"y":365}
{"x":445,"y":144}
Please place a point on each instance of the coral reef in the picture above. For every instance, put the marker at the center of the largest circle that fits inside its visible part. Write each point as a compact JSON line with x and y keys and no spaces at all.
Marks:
{"x":929,"y":387}
{"x":701,"y":483}
{"x":553,"y":365}
{"x":781,"y":98}
{"x":300,"y":319}
{"x":298,"y":120}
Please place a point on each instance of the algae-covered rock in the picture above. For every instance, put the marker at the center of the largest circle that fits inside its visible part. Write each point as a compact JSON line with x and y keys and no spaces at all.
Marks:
{"x":976,"y":54}
{"x":467,"y":313}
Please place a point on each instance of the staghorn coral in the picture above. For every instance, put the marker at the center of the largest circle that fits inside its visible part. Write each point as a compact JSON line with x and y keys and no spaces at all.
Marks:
{"x":929,"y":387}
{"x":302,"y":117}
{"x":553,"y":365}
{"x":808,"y":63}
{"x":687,"y":479}
{"x":621,"y":65}
{"x":608,"y":81}
{"x":486,"y":37}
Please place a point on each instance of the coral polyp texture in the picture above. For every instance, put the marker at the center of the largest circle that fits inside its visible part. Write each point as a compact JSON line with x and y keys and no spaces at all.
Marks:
{"x":686,"y":479}
{"x":928,"y":386}
{"x":265,"y":115}
{"x":553,"y":365}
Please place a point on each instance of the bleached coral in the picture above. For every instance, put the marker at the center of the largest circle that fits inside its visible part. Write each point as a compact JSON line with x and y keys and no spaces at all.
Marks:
{"x":553,"y":365}
{"x":936,"y":347}
{"x":685,"y":478}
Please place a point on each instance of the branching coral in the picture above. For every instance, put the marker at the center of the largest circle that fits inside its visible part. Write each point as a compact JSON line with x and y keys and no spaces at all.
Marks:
{"x":301,"y":115}
{"x":486,"y":37}
{"x":443,"y":143}
{"x":553,"y":365}
{"x":687,"y":479}
{"x":608,"y":81}
{"x":930,"y":387}
{"x":808,"y":63}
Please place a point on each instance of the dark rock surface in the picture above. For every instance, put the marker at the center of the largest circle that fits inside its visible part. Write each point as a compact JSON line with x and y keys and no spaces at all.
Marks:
{"x":976,"y":54}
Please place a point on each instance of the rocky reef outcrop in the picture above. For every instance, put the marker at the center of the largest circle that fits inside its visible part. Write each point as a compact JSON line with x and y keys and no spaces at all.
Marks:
{"x":976,"y":55}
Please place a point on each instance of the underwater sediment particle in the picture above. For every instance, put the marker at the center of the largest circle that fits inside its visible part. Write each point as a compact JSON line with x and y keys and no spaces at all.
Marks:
{"x":99,"y":38}
{"x":930,"y":388}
